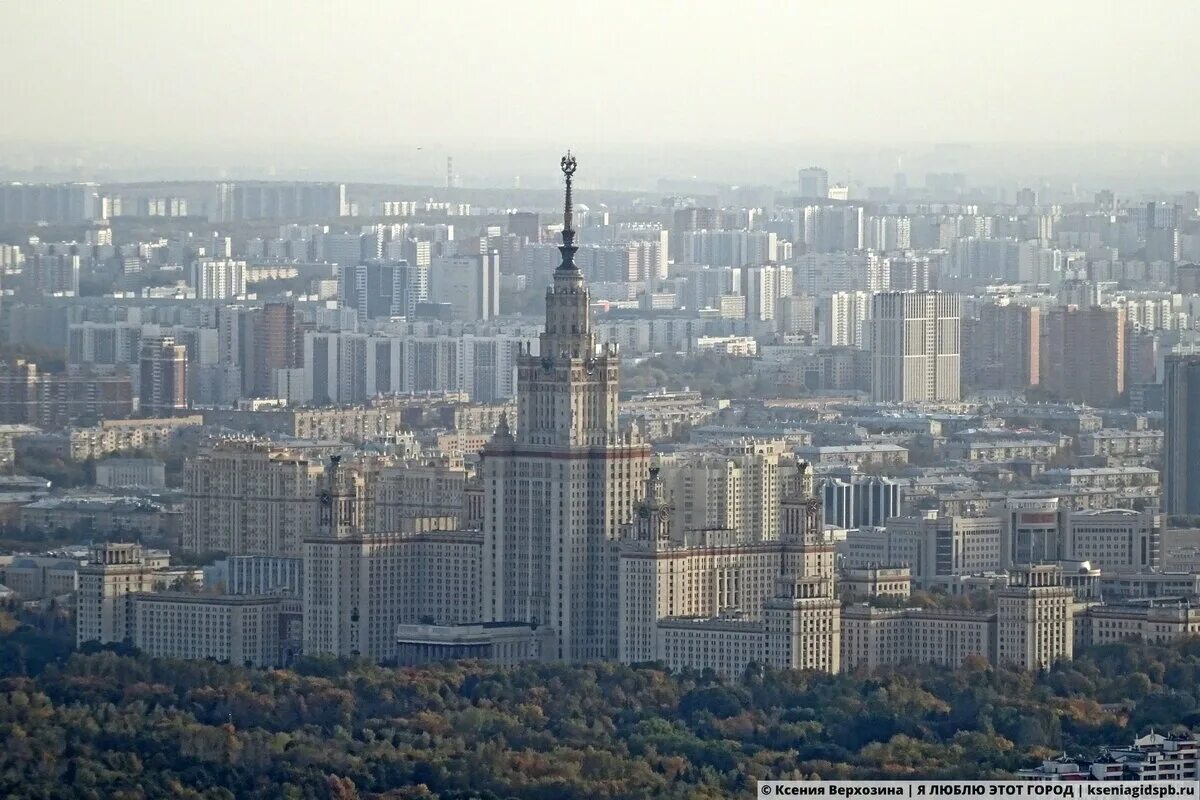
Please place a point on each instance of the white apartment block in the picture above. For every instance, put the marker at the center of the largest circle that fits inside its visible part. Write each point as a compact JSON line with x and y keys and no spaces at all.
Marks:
{"x":219,"y":278}
{"x":915,"y":341}
{"x":1153,"y":757}
{"x":243,"y":629}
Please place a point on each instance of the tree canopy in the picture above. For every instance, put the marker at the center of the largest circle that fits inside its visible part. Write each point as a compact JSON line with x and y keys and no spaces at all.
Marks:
{"x":101,"y":723}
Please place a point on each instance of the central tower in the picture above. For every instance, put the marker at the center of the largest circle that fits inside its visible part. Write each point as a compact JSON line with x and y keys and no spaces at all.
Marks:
{"x":567,"y":394}
{"x":559,"y":488}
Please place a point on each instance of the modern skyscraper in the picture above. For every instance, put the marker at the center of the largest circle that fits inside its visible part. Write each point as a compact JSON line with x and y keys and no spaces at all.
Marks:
{"x":1181,"y":455}
{"x":915,"y":347}
{"x":560,"y":487}
{"x":164,"y":369}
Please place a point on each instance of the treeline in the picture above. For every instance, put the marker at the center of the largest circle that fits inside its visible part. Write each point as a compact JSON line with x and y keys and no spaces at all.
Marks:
{"x":120,"y":725}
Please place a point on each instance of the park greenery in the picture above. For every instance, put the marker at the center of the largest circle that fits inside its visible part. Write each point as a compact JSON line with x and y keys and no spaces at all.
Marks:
{"x":111,"y":723}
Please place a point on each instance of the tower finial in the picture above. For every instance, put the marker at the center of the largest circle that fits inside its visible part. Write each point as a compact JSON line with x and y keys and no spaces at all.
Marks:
{"x":568,"y":246}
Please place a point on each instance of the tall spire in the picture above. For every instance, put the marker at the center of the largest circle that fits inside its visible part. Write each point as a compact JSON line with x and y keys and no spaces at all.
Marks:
{"x":568,"y":247}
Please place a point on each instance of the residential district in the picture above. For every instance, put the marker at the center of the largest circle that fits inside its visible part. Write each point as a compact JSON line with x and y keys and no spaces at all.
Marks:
{"x":817,"y":432}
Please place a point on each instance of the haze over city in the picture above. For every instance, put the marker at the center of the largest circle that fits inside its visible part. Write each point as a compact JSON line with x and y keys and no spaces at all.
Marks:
{"x":383,"y":91}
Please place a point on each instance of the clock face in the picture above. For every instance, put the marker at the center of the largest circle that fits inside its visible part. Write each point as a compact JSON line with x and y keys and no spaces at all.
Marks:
{"x":326,"y":499}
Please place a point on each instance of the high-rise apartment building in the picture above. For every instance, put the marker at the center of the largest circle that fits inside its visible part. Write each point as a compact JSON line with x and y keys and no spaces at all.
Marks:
{"x":218,"y":278}
{"x":1181,"y":444}
{"x":558,"y":490}
{"x":56,"y":203}
{"x":470,"y":284}
{"x":915,"y":347}
{"x":250,"y":498}
{"x":164,"y":377}
{"x":763,"y":287}
{"x":1083,"y":354}
{"x":53,"y":400}
{"x":736,"y":490}
{"x":1002,"y":348}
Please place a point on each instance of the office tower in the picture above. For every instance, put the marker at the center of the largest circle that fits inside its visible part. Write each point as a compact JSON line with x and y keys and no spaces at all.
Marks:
{"x":1034,"y":620}
{"x":938,"y":549}
{"x":1034,"y":531}
{"x":915,"y":347}
{"x":1002,"y":349}
{"x":470,"y":284}
{"x":1115,"y":539}
{"x":855,"y":500}
{"x":218,"y":278}
{"x":560,"y":487}
{"x":113,"y":573}
{"x":164,"y":372}
{"x":1083,"y":354}
{"x":1181,"y":443}
{"x":249,"y":498}
{"x":814,"y":183}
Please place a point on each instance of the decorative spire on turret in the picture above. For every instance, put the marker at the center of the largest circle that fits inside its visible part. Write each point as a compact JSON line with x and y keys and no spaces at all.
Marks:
{"x":568,"y":247}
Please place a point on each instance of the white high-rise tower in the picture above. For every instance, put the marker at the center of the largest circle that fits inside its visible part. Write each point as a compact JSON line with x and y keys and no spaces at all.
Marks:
{"x":558,"y":490}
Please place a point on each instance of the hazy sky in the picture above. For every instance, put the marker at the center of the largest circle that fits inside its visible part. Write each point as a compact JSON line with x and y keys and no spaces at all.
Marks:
{"x":345,"y":73}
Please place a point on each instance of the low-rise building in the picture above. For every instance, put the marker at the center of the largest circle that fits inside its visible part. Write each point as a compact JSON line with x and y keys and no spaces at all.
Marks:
{"x":1150,"y":758}
{"x":233,"y":629}
{"x":502,"y":643}
{"x":115,"y":473}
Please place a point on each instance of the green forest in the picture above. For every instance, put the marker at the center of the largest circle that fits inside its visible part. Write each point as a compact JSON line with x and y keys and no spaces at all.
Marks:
{"x":114,"y":724}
